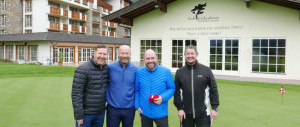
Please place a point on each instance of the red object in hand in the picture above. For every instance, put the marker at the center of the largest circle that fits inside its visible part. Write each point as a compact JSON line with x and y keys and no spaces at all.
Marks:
{"x":152,"y":97}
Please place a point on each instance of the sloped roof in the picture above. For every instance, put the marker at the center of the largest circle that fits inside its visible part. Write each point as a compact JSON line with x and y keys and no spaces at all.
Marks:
{"x":63,"y":37}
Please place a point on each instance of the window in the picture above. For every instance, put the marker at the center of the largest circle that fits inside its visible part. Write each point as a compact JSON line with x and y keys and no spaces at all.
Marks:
{"x":117,"y":54}
{"x":224,"y":54}
{"x":68,"y":54}
{"x":28,"y":20}
{"x":178,"y":47}
{"x":85,"y":54}
{"x":151,"y":44}
{"x":73,"y":23}
{"x":54,"y":5}
{"x":1,"y":52}
{"x":28,"y":31}
{"x":28,"y":6}
{"x":127,"y":32}
{"x":110,"y":54}
{"x":53,"y":19}
{"x":3,"y":5}
{"x":20,"y":52}
{"x":3,"y":20}
{"x":2,"y":31}
{"x":268,"y":55}
{"x":10,"y":52}
{"x":33,"y":53}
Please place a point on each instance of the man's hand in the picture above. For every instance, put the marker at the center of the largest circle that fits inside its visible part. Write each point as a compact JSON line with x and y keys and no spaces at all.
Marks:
{"x":158,"y":100}
{"x":140,"y":111}
{"x":213,"y":115}
{"x":80,"y":122}
{"x":181,"y":115}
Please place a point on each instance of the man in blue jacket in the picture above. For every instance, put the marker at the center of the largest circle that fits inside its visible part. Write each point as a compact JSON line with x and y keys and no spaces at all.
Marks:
{"x":153,"y":80}
{"x":120,"y":91}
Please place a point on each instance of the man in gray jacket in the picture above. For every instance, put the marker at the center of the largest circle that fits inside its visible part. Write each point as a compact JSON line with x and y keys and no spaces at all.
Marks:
{"x":195,"y":88}
{"x":89,"y":90}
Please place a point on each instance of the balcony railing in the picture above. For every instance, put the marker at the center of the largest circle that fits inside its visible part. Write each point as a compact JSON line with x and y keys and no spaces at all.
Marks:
{"x":54,"y":10}
{"x":96,"y":30}
{"x":83,"y":29}
{"x":75,"y":15}
{"x":65,"y":27}
{"x":83,"y":17}
{"x":75,"y":29}
{"x":66,"y":13}
{"x":96,"y":19}
{"x":111,"y":24}
{"x":84,"y":2}
{"x":104,"y":22}
{"x":54,"y":26}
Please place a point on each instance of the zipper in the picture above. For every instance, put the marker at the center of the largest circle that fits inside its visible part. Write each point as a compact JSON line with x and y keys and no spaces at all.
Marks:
{"x":151,"y":90}
{"x":123,"y":74}
{"x":193,"y":103}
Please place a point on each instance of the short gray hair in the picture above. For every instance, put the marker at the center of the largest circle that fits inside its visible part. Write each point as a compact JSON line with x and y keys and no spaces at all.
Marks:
{"x":191,"y":47}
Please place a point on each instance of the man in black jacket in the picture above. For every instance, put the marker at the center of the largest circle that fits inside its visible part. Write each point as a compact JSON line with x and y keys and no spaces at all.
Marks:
{"x":195,"y":85}
{"x":89,"y":90}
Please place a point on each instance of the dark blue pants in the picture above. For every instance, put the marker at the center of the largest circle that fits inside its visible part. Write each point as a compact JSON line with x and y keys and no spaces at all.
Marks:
{"x":93,"y":120}
{"x":115,"y":115}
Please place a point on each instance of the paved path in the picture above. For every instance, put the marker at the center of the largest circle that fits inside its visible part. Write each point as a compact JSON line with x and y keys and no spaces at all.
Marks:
{"x":251,"y":79}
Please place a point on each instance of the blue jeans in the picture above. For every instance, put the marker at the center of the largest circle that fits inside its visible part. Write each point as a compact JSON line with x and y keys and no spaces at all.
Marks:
{"x":93,"y":120}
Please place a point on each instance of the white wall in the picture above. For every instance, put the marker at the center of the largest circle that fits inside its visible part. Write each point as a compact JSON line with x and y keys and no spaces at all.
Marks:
{"x":40,"y":10}
{"x":261,"y":20}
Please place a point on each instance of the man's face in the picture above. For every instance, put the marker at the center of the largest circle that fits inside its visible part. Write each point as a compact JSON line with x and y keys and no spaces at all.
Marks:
{"x":190,"y":56}
{"x":100,"y":55}
{"x":150,"y":60}
{"x":124,"y":55}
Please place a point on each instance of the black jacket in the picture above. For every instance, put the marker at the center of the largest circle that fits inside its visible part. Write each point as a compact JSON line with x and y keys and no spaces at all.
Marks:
{"x":193,"y":80}
{"x":89,"y":89}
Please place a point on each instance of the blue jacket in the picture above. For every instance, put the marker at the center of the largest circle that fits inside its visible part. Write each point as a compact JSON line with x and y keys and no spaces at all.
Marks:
{"x":120,"y":91}
{"x":160,"y":82}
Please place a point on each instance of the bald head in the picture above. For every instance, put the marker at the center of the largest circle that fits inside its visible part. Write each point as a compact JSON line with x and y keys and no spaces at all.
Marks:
{"x":124,"y":54}
{"x":150,"y":59}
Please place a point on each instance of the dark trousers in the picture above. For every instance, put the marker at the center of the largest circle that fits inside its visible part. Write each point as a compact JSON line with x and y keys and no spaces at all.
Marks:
{"x":93,"y":120}
{"x":148,"y":122}
{"x":116,"y":115}
{"x":189,"y":121}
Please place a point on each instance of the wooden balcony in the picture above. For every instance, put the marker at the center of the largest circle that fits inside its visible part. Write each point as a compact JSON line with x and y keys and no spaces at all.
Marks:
{"x":83,"y":17}
{"x":103,"y":22}
{"x":84,"y":2}
{"x":55,"y":26}
{"x":75,"y":15}
{"x":103,"y":33}
{"x":66,"y":13}
{"x":111,"y":24}
{"x":65,"y":27}
{"x":104,"y":5}
{"x":78,"y":1}
{"x":54,"y":10}
{"x":83,"y":30}
{"x":112,"y":34}
{"x":75,"y":29}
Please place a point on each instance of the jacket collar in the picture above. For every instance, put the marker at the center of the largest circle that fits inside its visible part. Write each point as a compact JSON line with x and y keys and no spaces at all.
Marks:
{"x":195,"y":66}
{"x":95,"y":64}
{"x":152,"y":70}
{"x":122,"y":65}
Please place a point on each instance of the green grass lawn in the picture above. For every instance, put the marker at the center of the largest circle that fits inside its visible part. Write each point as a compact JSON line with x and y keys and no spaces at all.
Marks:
{"x":40,"y":96}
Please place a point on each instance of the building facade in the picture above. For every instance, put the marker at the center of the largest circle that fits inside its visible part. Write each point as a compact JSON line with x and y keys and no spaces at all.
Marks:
{"x":60,"y":16}
{"x":233,"y":37}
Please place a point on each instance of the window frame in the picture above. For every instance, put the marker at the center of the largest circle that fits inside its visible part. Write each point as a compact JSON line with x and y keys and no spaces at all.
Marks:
{"x":269,"y":54}
{"x":159,"y":54}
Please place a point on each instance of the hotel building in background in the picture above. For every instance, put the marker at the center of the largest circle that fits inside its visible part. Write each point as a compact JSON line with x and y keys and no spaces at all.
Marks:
{"x":27,"y":28}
